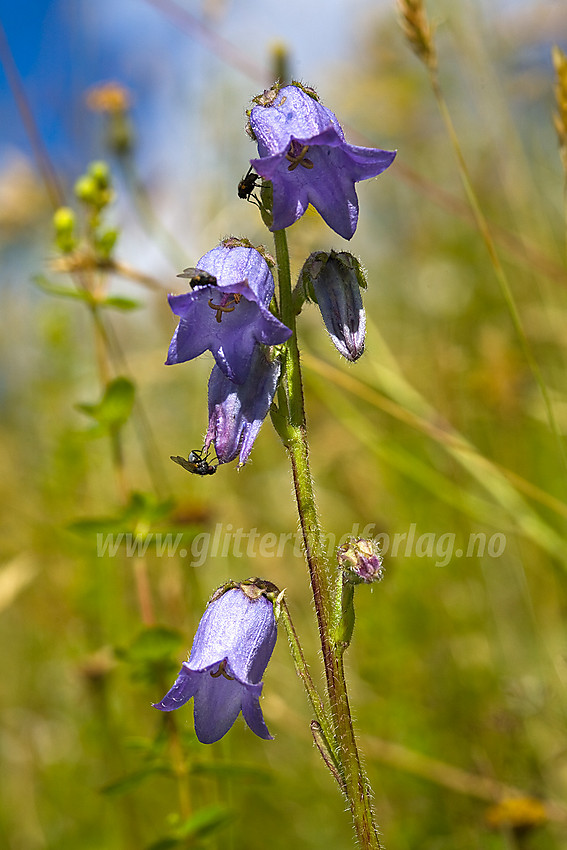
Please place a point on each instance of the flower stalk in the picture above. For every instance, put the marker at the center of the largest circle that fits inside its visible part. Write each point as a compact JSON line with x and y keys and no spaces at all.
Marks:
{"x":348,"y":771}
{"x":288,"y":317}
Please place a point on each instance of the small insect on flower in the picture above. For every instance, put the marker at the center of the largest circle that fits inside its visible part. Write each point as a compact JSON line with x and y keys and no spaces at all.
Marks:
{"x":198,"y":277}
{"x":197,"y":462}
{"x":247,"y":185}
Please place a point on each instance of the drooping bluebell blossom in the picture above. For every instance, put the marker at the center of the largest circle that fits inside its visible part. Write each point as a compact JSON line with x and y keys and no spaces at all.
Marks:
{"x":303,"y":152}
{"x":233,"y":644}
{"x":335,"y":280}
{"x":230,"y":317}
{"x":236,"y":411}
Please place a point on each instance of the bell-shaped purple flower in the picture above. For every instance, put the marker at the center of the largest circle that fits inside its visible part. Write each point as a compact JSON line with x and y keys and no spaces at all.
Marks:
{"x":228,"y":318}
{"x":233,"y":644}
{"x":335,"y":280}
{"x":304,"y":154}
{"x":236,"y":411}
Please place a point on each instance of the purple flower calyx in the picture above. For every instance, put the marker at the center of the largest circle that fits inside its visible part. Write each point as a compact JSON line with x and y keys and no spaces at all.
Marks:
{"x":253,"y":588}
{"x":242,"y":242}
{"x":314,"y":265}
{"x":269,"y":96}
{"x":237,"y":242}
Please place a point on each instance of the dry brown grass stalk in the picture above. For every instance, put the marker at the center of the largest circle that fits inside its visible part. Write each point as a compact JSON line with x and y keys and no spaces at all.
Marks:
{"x":418,"y":31}
{"x":560,"y":117}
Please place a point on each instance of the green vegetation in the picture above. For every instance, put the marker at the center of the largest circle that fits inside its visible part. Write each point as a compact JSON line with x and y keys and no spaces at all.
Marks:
{"x":449,"y":430}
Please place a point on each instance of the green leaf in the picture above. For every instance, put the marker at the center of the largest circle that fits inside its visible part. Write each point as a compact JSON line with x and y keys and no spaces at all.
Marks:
{"x":120,"y":302}
{"x":153,"y":655}
{"x":116,"y":405}
{"x":204,"y":822}
{"x":145,"y":508}
{"x":154,"y":644}
{"x":142,"y":512}
{"x":132,"y":780}
{"x":62,"y":291}
{"x":197,"y":826}
{"x":116,"y":302}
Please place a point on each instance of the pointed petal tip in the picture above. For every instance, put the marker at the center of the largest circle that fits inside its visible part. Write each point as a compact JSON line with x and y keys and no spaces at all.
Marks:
{"x":253,"y":715}
{"x":263,"y":734}
{"x":184,"y":687}
{"x":162,"y":706}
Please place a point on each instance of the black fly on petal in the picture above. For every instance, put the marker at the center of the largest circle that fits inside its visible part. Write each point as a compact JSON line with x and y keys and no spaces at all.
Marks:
{"x":197,"y":462}
{"x":246,"y":187}
{"x":198,"y":277}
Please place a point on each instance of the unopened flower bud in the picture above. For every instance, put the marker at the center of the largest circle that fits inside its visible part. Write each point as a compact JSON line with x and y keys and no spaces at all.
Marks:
{"x":335,"y":280}
{"x":361,"y":561}
{"x":100,"y":172}
{"x":94,"y":188}
{"x":64,"y":225}
{"x":86,"y":189}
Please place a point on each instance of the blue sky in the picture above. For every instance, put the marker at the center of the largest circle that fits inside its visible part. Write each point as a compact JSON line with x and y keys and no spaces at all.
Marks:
{"x":63,"y":46}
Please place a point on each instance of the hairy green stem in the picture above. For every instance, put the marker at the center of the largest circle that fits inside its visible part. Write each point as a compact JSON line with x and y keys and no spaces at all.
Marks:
{"x":292,"y":367}
{"x":352,"y":777}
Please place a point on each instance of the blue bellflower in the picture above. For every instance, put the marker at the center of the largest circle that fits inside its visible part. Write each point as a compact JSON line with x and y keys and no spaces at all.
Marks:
{"x":236,"y":411}
{"x":233,"y":644}
{"x":228,"y":318}
{"x":304,"y":154}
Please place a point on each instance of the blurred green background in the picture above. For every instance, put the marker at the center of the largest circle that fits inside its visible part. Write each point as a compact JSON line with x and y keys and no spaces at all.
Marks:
{"x":458,"y":665}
